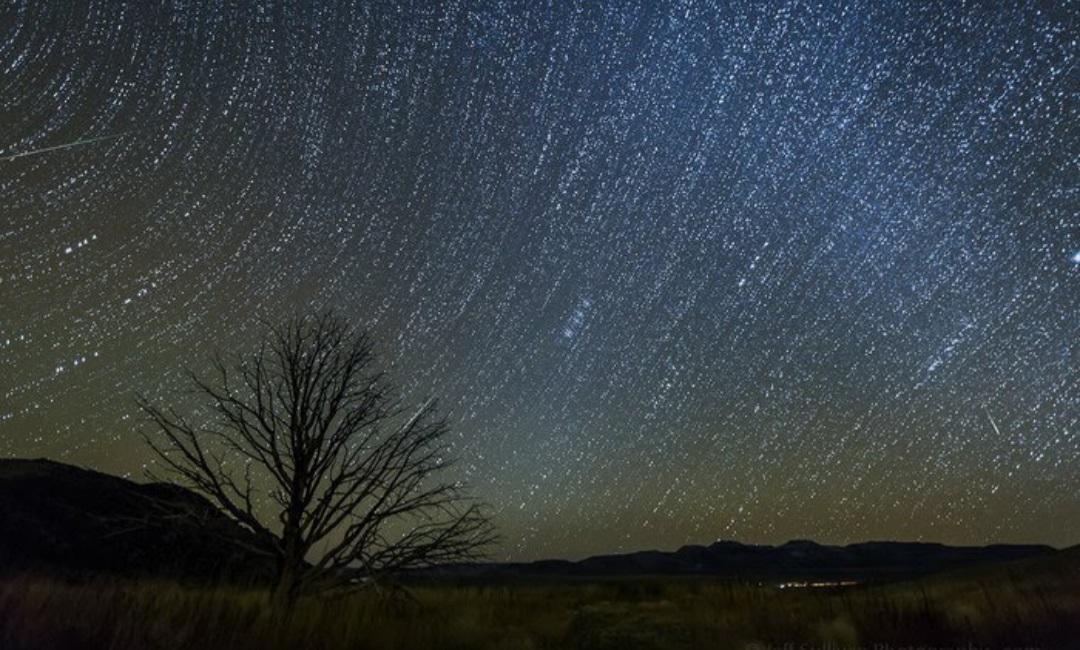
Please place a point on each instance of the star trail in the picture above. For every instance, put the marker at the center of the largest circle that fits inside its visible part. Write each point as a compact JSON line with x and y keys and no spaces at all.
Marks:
{"x":679,"y":271}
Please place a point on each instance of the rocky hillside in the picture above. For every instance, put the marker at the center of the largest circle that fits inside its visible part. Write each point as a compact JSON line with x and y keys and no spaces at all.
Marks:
{"x":63,"y":519}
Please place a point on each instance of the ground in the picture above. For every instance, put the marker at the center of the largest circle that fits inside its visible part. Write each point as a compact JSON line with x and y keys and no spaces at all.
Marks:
{"x":1027,"y":604}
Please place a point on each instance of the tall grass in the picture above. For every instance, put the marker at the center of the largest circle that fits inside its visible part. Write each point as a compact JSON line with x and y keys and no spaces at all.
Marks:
{"x":40,"y":613}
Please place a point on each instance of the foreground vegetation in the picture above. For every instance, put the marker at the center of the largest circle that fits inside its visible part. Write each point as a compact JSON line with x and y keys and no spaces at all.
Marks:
{"x":1031,"y":604}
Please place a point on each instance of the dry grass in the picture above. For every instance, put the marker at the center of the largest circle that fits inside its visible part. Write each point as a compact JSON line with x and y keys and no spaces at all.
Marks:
{"x":1024,"y":606}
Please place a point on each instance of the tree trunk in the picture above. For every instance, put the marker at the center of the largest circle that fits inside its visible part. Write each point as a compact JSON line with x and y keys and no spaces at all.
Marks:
{"x":292,"y":563}
{"x":285,"y":591}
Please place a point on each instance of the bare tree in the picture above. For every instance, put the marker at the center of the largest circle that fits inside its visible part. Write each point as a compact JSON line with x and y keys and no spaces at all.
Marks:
{"x":309,"y":450}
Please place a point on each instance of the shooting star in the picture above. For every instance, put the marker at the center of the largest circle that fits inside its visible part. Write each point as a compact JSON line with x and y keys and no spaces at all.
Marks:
{"x":67,"y":145}
{"x":992,"y":423}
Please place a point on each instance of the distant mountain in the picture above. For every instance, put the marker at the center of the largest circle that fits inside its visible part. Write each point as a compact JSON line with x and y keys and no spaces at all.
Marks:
{"x":797,"y":558}
{"x":64,"y":519}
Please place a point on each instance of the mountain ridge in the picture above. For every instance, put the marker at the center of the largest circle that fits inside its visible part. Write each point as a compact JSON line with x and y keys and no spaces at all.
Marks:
{"x":55,"y":516}
{"x":60,"y":518}
{"x":796,"y":558}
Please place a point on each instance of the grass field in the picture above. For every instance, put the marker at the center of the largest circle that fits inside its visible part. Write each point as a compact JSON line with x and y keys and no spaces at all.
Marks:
{"x":1030,"y":604}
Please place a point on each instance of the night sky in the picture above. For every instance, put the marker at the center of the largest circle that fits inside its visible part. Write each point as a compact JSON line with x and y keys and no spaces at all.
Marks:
{"x":680,"y":272}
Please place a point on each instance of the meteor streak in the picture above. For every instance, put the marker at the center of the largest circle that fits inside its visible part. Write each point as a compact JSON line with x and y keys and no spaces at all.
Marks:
{"x":66,"y":145}
{"x":992,"y":423}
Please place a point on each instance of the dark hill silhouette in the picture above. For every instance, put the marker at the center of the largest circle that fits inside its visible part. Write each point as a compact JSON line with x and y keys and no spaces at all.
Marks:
{"x":1039,"y":573}
{"x":867,"y":561}
{"x":63,"y":519}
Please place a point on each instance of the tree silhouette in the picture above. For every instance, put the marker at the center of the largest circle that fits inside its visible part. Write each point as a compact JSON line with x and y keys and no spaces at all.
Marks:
{"x":309,"y":450}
